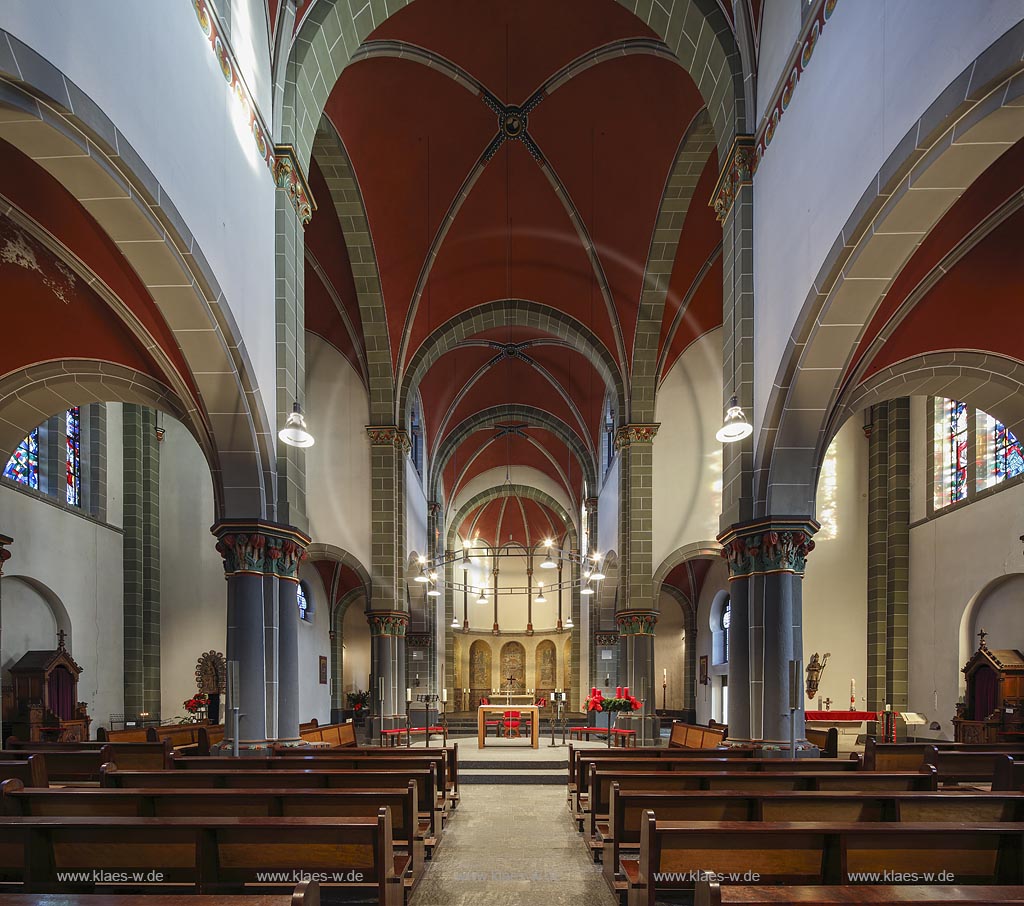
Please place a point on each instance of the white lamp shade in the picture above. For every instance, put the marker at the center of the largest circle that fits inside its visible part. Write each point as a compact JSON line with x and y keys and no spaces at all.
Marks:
{"x":295,"y":433}
{"x":736,"y":426}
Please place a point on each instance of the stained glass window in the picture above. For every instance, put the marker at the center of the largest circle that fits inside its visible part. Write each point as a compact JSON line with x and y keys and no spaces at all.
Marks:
{"x":1007,"y":452}
{"x":23,"y":466}
{"x":951,"y":451}
{"x":999,"y":452}
{"x":726,"y":622}
{"x":300,"y":595}
{"x":73,"y":457}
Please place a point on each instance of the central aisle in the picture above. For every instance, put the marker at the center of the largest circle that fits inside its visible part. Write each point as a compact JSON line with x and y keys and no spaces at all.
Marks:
{"x":510,"y":845}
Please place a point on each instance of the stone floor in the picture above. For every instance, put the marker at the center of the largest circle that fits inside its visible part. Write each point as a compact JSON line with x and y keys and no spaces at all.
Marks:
{"x":511,"y":845}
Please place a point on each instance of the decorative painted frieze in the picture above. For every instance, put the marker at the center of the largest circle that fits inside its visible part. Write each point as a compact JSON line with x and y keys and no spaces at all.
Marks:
{"x":628,"y":435}
{"x":387,"y":622}
{"x":389,"y":436}
{"x":418,"y":640}
{"x":768,"y":546}
{"x":288,"y":175}
{"x":737,"y":172}
{"x":606,"y":639}
{"x":5,"y":554}
{"x":261,"y":549}
{"x":636,"y":622}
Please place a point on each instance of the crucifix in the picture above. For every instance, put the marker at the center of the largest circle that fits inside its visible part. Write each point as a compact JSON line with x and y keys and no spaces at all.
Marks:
{"x":981,"y":638}
{"x":61,"y":635}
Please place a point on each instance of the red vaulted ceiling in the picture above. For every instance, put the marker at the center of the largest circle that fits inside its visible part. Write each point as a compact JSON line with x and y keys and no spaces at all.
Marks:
{"x":74,"y":321}
{"x":689,"y":578}
{"x":513,"y":519}
{"x":338,"y":578}
{"x":610,"y":134}
{"x":976,"y":304}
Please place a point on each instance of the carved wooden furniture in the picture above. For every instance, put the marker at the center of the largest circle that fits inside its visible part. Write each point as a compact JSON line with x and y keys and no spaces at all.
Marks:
{"x":43,"y":705}
{"x":994,"y":702}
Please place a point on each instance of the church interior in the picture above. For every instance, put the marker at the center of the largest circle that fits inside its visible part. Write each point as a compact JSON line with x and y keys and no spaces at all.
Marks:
{"x":518,"y":426}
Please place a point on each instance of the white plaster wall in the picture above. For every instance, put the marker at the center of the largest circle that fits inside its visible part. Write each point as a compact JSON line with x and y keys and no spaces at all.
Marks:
{"x":338,"y":465}
{"x":415,"y":510}
{"x":30,"y":623}
{"x":687,"y":458}
{"x":608,"y":512}
{"x":314,"y":643}
{"x":1000,"y":612}
{"x":717,"y":580}
{"x":193,"y":591}
{"x":877,"y":67}
{"x":669,"y":652}
{"x":780,"y":28}
{"x":953,"y":558}
{"x":835,"y":609}
{"x":356,"y":672}
{"x":80,"y":561}
{"x":169,"y":98}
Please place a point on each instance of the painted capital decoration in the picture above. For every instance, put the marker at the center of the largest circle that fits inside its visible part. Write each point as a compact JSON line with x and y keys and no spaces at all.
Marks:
{"x":628,"y":435}
{"x":737,"y":172}
{"x":387,"y":622}
{"x":772,"y":546}
{"x":389,"y":436}
{"x":636,"y":622}
{"x":606,"y":639}
{"x":5,"y":554}
{"x":288,"y":175}
{"x":261,"y":549}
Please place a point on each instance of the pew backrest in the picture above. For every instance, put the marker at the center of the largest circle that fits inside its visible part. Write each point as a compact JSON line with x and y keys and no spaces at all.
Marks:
{"x":1008,"y":774}
{"x":65,"y":765}
{"x":826,"y":740}
{"x":900,"y":756}
{"x":335,"y":735}
{"x":30,"y":772}
{"x":691,"y":736}
{"x":956,"y":765}
{"x":714,"y":893}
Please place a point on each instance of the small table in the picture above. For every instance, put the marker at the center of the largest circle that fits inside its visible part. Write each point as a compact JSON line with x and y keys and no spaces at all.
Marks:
{"x":481,"y":717}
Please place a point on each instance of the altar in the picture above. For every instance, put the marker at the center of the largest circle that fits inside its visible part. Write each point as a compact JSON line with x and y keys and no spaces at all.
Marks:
{"x":481,"y":720}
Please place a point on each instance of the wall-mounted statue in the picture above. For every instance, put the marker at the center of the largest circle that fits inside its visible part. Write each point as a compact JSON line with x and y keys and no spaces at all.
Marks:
{"x":814,"y":671}
{"x":212,"y":678}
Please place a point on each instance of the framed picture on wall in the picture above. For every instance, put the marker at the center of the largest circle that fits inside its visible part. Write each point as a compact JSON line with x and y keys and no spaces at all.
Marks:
{"x":323,"y":670}
{"x":703,"y":669}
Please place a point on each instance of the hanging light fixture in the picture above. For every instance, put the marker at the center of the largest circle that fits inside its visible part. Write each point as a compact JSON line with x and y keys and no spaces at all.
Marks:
{"x":586,"y":590}
{"x":736,"y":426}
{"x":548,"y":562}
{"x":568,"y":622}
{"x":455,"y":622}
{"x":422,"y":577}
{"x":295,"y":432}
{"x":482,"y":599}
{"x":432,"y":591}
{"x":540,"y":599}
{"x":596,"y":573}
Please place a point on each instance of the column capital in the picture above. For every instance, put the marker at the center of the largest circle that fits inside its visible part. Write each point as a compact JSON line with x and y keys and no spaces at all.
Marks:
{"x":606,"y":639}
{"x":288,"y":175}
{"x":777,"y":544}
{"x":257,"y":548}
{"x":434,"y":508}
{"x":387,"y":622}
{"x":389,"y":436}
{"x":636,"y":622}
{"x":590,"y":504}
{"x":5,"y":555}
{"x":628,"y":435}
{"x":737,"y":171}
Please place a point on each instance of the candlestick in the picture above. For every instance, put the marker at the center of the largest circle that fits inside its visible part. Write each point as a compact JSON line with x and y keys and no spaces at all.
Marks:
{"x":444,"y":695}
{"x":408,"y":694}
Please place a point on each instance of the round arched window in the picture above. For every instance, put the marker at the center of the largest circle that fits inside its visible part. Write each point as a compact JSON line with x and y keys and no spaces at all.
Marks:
{"x":305,"y":611}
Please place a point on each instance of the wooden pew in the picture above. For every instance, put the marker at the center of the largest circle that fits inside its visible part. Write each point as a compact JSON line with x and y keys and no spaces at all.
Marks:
{"x":136,"y":756}
{"x":65,"y":765}
{"x":689,"y":736}
{"x":1008,"y":774}
{"x":600,"y":784}
{"x":31,"y":771}
{"x":425,"y":779}
{"x":306,"y":893}
{"x":622,"y":830}
{"x":826,"y":740}
{"x":308,"y":725}
{"x":206,"y":855}
{"x":908,"y":756}
{"x":449,"y":753}
{"x":712,"y":893}
{"x":409,"y":832}
{"x":818,"y":852}
{"x":974,"y":766}
{"x":334,"y":735}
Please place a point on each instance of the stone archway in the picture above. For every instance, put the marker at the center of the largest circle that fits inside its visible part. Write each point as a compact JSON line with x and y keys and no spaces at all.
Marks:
{"x":512,"y":674}
{"x":547,"y":668}
{"x":480,"y":678}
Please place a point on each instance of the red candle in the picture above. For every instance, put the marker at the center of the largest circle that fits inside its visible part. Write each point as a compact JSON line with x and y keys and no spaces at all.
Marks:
{"x":618,"y":691}
{"x":627,"y":691}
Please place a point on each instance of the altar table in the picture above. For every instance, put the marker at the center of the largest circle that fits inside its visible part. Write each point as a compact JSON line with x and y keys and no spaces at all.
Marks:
{"x":833,"y":718}
{"x":481,"y":716}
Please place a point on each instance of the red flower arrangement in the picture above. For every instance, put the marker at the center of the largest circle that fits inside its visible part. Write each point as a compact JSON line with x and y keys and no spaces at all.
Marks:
{"x":197,"y":703}
{"x":622,"y":701}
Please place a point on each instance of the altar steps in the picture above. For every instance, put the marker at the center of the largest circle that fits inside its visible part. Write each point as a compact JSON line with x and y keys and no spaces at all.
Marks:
{"x":513,"y":771}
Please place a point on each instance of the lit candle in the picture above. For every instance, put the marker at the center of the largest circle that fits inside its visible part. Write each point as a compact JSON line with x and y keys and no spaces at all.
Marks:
{"x":664,"y":675}
{"x":408,"y":694}
{"x":444,"y":695}
{"x":618,"y":691}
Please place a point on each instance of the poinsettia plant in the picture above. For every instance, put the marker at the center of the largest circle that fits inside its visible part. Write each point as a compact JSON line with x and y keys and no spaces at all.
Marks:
{"x":358,"y":700}
{"x":197,"y":703}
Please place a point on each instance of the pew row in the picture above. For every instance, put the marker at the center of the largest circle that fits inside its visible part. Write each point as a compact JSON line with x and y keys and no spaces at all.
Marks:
{"x":185,"y":739}
{"x":1008,"y":775}
{"x":908,"y":756}
{"x":306,"y":893}
{"x":956,"y":766}
{"x":600,"y":784}
{"x":137,"y":756}
{"x":409,"y":831}
{"x":689,"y":736}
{"x":826,"y":740}
{"x":31,"y":771}
{"x":424,"y":778}
{"x":675,"y":854}
{"x":335,"y":736}
{"x":712,"y":893}
{"x":204,"y":856}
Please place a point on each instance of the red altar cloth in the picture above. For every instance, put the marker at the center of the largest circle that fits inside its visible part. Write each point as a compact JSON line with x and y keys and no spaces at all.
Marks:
{"x":840,"y":716}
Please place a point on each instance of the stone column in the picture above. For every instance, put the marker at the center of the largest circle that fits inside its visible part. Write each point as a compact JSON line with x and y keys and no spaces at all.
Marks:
{"x":387,"y":665}
{"x":261,"y":560}
{"x":766,"y":560}
{"x":635,"y":444}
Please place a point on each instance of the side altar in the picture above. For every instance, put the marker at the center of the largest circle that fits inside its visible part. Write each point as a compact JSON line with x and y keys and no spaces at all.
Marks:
{"x":41,"y":704}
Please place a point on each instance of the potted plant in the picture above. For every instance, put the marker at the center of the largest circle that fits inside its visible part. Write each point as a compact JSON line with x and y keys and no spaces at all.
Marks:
{"x":196,"y":707}
{"x":358,"y":703}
